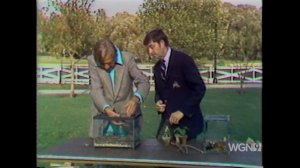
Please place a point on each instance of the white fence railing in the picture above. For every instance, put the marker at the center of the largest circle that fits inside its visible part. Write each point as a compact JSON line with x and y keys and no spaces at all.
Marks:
{"x":224,"y":75}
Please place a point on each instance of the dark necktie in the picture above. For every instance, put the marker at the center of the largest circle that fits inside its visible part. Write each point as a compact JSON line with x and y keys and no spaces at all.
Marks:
{"x":163,"y":69}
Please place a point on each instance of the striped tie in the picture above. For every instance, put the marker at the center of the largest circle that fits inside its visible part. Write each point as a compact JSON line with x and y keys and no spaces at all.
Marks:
{"x":163,"y":70}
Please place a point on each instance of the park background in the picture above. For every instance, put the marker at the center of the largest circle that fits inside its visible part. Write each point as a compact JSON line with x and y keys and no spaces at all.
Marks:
{"x":216,"y":34}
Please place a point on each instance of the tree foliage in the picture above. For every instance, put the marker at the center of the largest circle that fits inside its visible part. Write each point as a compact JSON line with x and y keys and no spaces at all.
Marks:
{"x":68,"y":31}
{"x":203,"y":29}
{"x":244,"y":32}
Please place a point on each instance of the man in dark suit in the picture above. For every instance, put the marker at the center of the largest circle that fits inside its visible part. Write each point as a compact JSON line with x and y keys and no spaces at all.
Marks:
{"x":179,"y":87}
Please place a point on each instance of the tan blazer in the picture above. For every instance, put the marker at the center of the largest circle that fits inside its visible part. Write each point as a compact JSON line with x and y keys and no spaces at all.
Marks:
{"x":103,"y":93}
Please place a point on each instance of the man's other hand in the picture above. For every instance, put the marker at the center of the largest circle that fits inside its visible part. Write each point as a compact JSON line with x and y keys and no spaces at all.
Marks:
{"x":160,"y":107}
{"x":176,"y":117}
{"x":111,"y":113}
{"x":132,"y":105}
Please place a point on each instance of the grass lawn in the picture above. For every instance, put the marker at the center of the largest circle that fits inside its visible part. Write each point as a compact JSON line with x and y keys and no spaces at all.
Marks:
{"x":60,"y":118}
{"x":59,"y":86}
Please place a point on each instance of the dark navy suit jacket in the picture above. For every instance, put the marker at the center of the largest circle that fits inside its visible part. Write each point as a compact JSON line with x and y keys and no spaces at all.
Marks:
{"x":182,"y":90}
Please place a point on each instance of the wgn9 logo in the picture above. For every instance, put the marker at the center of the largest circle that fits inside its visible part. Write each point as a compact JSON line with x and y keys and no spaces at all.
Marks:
{"x":256,"y":147}
{"x":243,"y":147}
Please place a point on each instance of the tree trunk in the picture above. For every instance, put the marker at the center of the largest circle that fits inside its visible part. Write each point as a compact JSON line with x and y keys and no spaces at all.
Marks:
{"x":242,"y":78}
{"x":242,"y":83}
{"x":72,"y":94}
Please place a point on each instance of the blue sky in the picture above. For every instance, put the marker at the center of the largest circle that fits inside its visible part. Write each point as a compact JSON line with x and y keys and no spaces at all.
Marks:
{"x":113,"y":6}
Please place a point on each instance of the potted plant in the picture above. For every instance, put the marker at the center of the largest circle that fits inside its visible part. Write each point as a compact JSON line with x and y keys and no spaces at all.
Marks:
{"x":180,"y":134}
{"x":166,"y":137}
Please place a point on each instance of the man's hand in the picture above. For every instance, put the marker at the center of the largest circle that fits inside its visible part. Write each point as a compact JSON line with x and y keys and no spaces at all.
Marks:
{"x":131,"y":106}
{"x":160,"y":107}
{"x":111,"y":112}
{"x":175,"y":117}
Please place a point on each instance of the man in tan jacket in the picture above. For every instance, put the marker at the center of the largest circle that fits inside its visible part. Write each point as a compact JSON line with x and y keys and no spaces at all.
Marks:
{"x":113,"y":74}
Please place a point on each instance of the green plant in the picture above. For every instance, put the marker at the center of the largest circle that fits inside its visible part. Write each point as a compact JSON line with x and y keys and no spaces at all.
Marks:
{"x":167,"y":132}
{"x":181,"y":131}
{"x":166,"y":137}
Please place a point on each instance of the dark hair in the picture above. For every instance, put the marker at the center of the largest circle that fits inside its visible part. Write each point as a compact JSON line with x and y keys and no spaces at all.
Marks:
{"x":104,"y":48}
{"x":156,"y":35}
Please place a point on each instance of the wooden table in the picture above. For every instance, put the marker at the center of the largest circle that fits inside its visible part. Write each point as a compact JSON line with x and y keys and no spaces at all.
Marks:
{"x":149,"y":153}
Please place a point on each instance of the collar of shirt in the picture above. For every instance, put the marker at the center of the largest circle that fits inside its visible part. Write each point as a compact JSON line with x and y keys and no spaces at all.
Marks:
{"x":119,"y":59}
{"x":167,"y":57}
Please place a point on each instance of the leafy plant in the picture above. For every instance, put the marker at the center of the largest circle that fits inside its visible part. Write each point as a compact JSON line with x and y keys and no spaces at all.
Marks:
{"x":166,"y":137}
{"x":181,"y":131}
{"x":167,"y":132}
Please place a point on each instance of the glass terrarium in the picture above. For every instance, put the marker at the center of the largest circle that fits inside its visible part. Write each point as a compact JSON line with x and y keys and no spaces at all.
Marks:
{"x":122,"y":132}
{"x":216,"y":133}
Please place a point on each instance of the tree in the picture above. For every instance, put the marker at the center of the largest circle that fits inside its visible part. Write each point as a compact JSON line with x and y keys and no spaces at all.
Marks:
{"x":190,"y":24}
{"x":216,"y":25}
{"x":69,"y":31}
{"x":244,"y":32}
{"x":207,"y":29}
{"x":204,"y":29}
{"x":125,"y":32}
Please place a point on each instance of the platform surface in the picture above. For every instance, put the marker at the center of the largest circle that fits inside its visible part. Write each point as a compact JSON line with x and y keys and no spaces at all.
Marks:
{"x":149,"y":153}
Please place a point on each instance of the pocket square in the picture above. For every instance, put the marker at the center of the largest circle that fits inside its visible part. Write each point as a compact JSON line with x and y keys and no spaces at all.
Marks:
{"x":176,"y":85}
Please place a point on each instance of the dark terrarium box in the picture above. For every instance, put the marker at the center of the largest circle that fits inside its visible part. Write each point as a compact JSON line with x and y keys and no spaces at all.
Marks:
{"x":121,"y":132}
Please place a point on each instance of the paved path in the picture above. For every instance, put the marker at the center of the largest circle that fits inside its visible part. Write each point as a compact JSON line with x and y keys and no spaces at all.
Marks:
{"x":87,"y":91}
